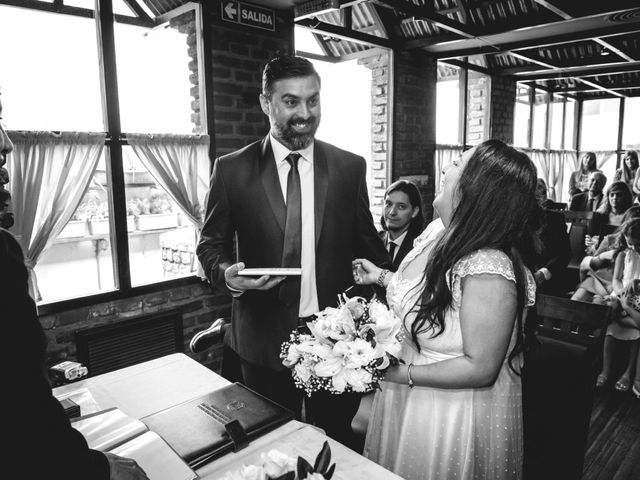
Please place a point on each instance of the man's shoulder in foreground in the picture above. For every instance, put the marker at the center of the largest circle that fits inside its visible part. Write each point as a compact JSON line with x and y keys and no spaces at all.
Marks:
{"x":245,"y":152}
{"x":332,"y":151}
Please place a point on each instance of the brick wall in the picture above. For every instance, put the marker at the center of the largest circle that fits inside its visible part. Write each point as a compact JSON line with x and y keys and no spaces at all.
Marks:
{"x":380,"y":132}
{"x":414,"y":122}
{"x":503,"y":99}
{"x":238,"y":56}
{"x":478,"y":86}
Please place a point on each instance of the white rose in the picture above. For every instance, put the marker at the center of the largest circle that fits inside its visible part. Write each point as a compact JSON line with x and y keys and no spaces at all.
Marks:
{"x":276,"y":463}
{"x":252,"y":472}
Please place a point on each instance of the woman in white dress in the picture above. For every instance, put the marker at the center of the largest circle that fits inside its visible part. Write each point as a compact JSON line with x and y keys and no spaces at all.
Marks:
{"x":453,"y":408}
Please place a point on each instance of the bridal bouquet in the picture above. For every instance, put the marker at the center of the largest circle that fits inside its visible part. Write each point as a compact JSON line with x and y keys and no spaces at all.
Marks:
{"x":279,"y":466}
{"x":348,"y":348}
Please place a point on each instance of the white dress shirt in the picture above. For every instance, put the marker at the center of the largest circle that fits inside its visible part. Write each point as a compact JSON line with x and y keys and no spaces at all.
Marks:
{"x":308,"y":292}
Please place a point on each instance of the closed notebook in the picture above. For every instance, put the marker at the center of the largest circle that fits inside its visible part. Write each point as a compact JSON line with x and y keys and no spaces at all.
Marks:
{"x":196,"y":429}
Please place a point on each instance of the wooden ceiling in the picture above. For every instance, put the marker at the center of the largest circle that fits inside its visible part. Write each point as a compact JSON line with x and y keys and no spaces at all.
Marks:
{"x":581,"y":48}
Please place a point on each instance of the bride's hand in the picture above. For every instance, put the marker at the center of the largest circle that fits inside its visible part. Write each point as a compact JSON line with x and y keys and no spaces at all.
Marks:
{"x":365,"y":272}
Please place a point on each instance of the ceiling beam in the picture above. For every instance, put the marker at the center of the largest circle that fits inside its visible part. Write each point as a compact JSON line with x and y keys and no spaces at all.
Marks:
{"x":573,"y":30}
{"x":430,"y":15}
{"x":582,"y":70}
{"x":566,"y":16}
{"x":336,"y":31}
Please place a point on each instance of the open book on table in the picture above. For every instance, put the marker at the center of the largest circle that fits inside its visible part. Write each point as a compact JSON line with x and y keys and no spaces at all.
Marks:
{"x":114,"y":431}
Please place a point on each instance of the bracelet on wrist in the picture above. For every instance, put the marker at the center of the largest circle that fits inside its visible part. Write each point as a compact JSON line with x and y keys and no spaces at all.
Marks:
{"x":409,"y":379}
{"x":381,"y":277}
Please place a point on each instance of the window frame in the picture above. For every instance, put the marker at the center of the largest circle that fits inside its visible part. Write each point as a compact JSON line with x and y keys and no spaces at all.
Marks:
{"x":116,"y":139}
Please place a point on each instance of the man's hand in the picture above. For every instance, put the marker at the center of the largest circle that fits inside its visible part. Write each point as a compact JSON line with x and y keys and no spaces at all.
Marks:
{"x":242,"y":283}
{"x":539,"y":277}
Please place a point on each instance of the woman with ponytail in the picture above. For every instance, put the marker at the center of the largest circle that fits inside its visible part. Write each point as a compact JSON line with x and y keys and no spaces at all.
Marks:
{"x":453,"y":407}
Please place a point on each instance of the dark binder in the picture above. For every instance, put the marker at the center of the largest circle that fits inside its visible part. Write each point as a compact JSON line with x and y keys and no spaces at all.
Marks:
{"x":222,"y":421}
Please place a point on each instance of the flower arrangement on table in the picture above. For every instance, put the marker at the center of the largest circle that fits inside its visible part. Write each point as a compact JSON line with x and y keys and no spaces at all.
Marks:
{"x":279,"y":466}
{"x":347,"y":348}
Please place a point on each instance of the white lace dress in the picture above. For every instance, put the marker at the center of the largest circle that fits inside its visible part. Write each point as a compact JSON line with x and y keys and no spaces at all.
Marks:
{"x":429,"y":433}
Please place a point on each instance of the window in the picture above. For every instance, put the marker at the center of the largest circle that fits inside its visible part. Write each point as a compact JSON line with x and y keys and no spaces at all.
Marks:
{"x":522,"y":116}
{"x":69,"y":228}
{"x":569,"y":122}
{"x":557,"y":112}
{"x":631,"y":132}
{"x":448,"y":105}
{"x":540,"y":108}
{"x":600,"y":124}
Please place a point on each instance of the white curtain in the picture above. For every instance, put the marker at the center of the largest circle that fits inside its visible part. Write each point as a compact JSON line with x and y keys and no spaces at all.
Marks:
{"x":49,"y":174}
{"x":180,"y":165}
{"x":551,"y":165}
{"x":445,"y":154}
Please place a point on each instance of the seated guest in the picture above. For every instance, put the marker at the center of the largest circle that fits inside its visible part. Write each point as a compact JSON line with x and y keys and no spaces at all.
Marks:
{"x":40,"y":438}
{"x":596,"y":271}
{"x":592,"y":199}
{"x":402,"y":220}
{"x":628,"y":172}
{"x":579,"y":180}
{"x":6,"y":216}
{"x":617,"y":200}
{"x":556,"y":247}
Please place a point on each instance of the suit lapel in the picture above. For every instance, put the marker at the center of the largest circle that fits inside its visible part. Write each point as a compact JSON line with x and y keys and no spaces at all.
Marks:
{"x":321,"y":184}
{"x":271,"y":182}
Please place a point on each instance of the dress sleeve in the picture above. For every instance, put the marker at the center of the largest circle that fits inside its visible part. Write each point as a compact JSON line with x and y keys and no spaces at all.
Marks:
{"x":493,"y":262}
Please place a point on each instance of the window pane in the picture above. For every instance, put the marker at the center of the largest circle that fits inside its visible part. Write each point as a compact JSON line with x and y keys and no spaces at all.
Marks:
{"x":161,"y":237}
{"x":448,"y":105}
{"x":521,"y":120}
{"x":80,"y":260}
{"x":477,"y":107}
{"x":158,"y":80}
{"x":539,"y":121}
{"x":557,"y":108}
{"x":600,"y":124}
{"x":631,"y":132}
{"x":49,"y":81}
{"x":569,"y":123}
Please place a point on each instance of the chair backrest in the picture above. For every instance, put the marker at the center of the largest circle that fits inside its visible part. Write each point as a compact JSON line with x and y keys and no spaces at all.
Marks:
{"x":571,"y":321}
{"x":580,"y":218}
{"x":577,"y":234}
{"x":559,"y":385}
{"x":557,"y":206}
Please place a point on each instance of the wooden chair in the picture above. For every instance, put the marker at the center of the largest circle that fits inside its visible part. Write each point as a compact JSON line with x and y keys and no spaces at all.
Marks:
{"x":580,"y":218}
{"x":559,"y":385}
{"x":577,"y":234}
{"x":556,"y":206}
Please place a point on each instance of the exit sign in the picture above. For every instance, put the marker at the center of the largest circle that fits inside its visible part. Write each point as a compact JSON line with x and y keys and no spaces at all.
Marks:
{"x":249,"y":15}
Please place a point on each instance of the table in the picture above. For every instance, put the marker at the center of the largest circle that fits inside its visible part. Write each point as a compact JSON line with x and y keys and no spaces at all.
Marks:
{"x":149,"y":387}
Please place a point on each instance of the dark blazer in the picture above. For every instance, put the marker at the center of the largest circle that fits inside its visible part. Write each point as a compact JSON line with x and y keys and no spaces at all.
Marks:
{"x":245,"y":200}
{"x":579,"y":202}
{"x":41,"y":440}
{"x":405,"y":247}
{"x":556,"y":248}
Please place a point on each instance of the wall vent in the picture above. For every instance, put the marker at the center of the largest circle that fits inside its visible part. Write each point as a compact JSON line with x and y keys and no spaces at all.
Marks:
{"x":128,"y":342}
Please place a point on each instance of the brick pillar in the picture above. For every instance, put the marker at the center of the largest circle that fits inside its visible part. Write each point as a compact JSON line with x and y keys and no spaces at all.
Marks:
{"x":478,"y":117}
{"x":414,"y":122}
{"x":503,"y":101}
{"x":380,"y":155}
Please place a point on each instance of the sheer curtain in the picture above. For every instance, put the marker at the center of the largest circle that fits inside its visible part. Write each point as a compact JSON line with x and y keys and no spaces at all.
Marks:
{"x":49,"y":174}
{"x":180,"y":165}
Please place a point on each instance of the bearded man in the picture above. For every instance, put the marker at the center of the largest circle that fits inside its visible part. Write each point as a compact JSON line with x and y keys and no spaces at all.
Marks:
{"x":287,"y":200}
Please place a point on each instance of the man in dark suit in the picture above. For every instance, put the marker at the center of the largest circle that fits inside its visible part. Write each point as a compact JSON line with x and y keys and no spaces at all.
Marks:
{"x":551,"y":265}
{"x":287,"y":200}
{"x":590,"y":200}
{"x":402,"y":219}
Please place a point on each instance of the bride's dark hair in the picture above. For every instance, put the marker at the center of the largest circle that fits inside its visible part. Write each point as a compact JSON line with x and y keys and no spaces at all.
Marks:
{"x":497,"y":209}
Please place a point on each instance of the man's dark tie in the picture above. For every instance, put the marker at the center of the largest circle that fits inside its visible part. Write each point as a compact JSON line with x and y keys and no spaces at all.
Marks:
{"x":392,"y":249}
{"x":590,"y":205}
{"x":290,"y":286}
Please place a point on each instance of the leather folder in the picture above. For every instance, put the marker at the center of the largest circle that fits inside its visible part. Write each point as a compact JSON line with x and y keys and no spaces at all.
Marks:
{"x":225,"y":420}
